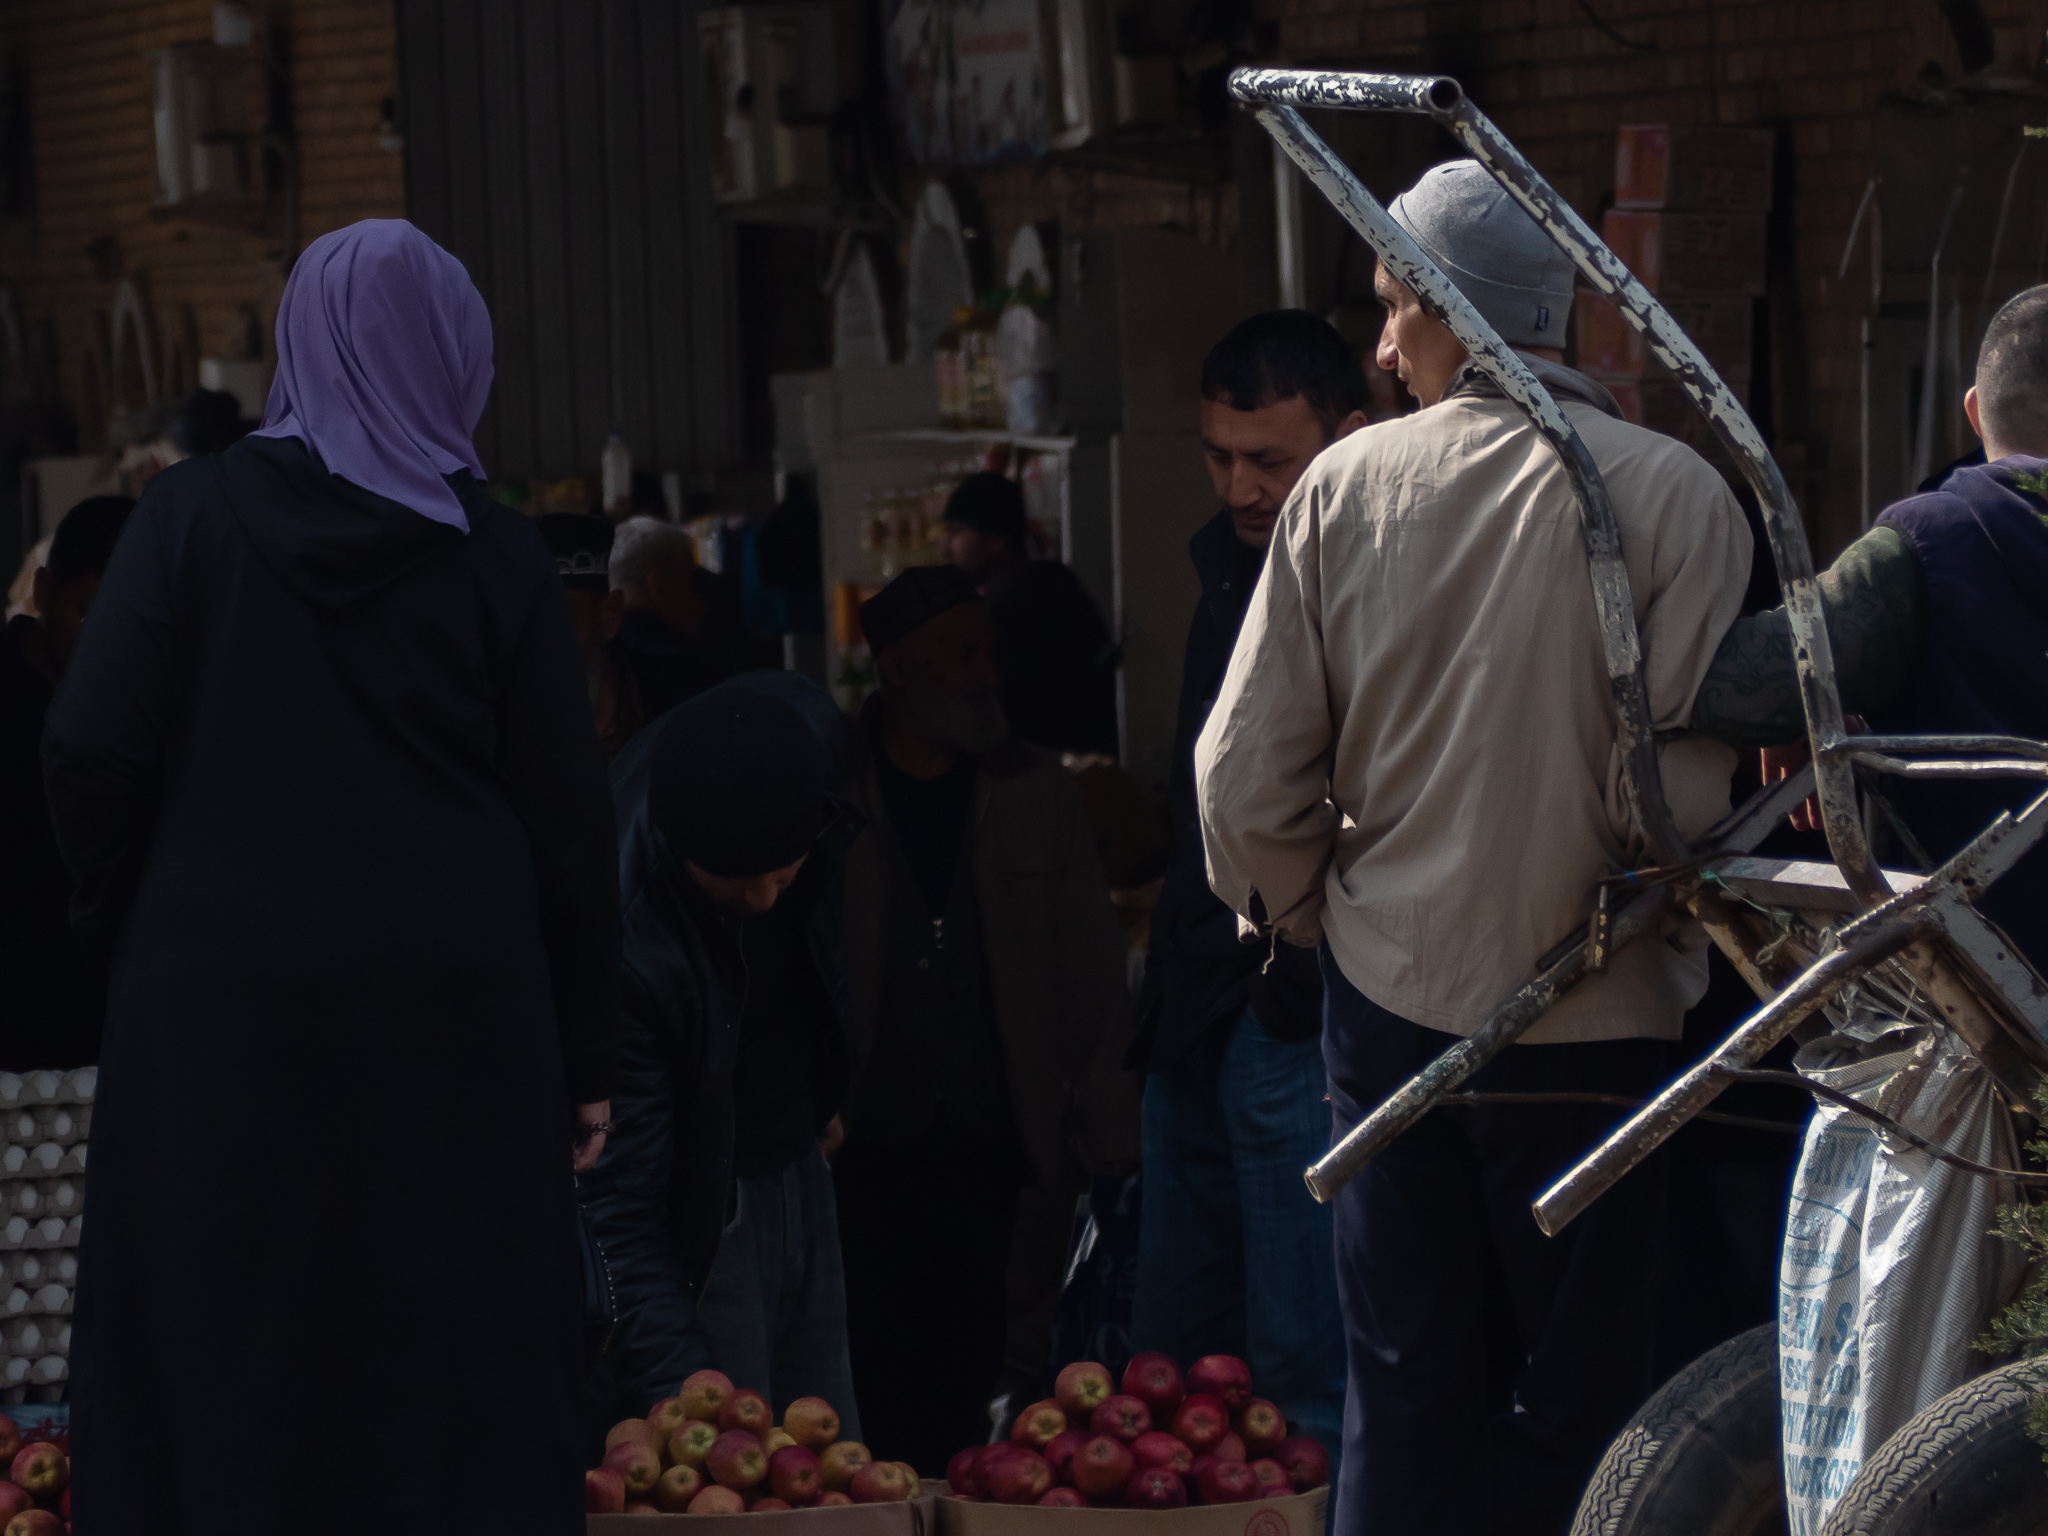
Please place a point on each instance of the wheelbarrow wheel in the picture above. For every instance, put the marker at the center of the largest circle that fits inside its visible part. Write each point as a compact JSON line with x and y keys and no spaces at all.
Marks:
{"x":1963,"y":1464}
{"x":1700,"y":1458}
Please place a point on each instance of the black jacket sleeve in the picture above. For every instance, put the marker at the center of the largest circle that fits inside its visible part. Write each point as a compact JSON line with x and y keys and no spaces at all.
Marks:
{"x":108,"y":730}
{"x":657,"y":1339}
{"x":548,"y":751}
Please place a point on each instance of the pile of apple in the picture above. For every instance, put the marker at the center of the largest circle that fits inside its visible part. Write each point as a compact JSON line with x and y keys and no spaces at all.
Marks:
{"x":36,"y":1498}
{"x":1160,"y":1443}
{"x":714,"y":1450}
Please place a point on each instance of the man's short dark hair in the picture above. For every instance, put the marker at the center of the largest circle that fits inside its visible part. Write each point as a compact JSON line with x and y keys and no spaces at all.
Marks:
{"x":2012,"y":372}
{"x":84,"y":541}
{"x":1281,"y":355}
{"x":990,"y":503}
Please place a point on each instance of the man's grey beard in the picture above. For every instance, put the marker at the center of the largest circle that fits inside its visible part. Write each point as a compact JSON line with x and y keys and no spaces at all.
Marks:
{"x":970,"y":722}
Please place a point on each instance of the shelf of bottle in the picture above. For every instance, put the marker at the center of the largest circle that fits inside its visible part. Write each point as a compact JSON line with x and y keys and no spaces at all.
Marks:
{"x":1036,"y":444}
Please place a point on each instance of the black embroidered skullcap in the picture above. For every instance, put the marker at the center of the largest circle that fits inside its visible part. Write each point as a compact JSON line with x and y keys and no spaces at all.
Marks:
{"x":582,"y":547}
{"x":912,"y":600}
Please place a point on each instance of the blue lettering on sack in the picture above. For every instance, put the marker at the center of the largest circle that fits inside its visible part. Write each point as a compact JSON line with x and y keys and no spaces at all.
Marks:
{"x":1542,"y":317}
{"x":1819,"y":1477}
{"x":1815,"y":1424}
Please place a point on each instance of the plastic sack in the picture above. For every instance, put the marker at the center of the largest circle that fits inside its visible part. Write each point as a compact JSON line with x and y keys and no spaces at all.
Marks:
{"x":1094,"y":1318}
{"x":1889,"y":1270}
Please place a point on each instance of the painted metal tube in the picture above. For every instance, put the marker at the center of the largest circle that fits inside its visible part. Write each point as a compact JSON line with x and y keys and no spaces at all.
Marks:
{"x":1443,"y":99}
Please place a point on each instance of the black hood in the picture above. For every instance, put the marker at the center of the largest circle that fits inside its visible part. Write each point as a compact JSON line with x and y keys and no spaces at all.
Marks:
{"x":333,"y":544}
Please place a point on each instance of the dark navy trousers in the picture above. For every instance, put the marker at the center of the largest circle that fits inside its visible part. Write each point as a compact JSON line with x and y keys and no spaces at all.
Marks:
{"x":1489,"y":1365}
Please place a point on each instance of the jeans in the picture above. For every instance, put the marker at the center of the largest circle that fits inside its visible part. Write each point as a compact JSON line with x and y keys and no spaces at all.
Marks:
{"x":1234,"y":1254}
{"x":774,"y":1306}
{"x":1490,"y":1365}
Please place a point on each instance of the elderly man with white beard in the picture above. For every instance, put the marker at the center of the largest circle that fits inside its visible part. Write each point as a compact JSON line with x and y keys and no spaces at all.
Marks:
{"x":987,"y":975}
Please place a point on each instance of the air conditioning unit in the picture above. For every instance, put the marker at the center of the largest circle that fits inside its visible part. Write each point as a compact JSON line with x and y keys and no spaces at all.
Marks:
{"x":773,"y":78}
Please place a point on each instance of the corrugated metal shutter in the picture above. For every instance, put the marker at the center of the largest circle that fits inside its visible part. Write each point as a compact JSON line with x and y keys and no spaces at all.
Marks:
{"x":558,"y":147}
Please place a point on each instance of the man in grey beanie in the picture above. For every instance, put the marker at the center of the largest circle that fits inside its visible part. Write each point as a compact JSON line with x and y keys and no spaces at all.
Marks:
{"x":1412,"y":766}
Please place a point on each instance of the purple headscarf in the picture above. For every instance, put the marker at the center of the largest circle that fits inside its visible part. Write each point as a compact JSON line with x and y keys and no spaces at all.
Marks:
{"x":383,"y":364}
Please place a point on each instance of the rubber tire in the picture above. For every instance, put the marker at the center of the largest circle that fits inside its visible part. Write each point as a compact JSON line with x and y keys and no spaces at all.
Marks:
{"x":1701,"y":1458}
{"x":1963,"y":1464}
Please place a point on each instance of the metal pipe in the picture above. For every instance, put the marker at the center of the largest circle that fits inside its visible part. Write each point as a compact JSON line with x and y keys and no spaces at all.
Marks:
{"x":1407,"y":263}
{"x":1653,"y":1126}
{"x":1444,"y":100}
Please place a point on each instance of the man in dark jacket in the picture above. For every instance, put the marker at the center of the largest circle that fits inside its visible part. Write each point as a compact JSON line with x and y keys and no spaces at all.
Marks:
{"x":711,"y":1205}
{"x":683,"y":629}
{"x":1055,"y":661}
{"x":54,"y":999}
{"x":989,"y":1011}
{"x":1938,"y":625}
{"x":1234,"y":1254}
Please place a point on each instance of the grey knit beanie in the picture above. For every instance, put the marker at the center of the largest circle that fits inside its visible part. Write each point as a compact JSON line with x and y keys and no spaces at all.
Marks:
{"x":1499,"y":257}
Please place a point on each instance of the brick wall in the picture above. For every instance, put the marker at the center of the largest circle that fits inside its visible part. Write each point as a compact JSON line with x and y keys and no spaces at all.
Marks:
{"x":1559,"y":85}
{"x":208,"y":286}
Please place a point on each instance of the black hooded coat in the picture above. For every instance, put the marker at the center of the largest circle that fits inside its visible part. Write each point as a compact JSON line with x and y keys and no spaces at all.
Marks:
{"x":325,"y":774}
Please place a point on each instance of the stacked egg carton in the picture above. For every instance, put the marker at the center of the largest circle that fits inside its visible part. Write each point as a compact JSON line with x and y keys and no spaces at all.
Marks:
{"x":44,"y":1120}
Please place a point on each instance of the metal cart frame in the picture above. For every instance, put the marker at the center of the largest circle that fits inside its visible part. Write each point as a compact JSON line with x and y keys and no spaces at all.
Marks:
{"x":1806,"y":936}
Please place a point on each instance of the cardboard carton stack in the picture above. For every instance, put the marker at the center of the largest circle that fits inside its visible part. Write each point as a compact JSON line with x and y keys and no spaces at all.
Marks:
{"x":44,"y":1120}
{"x":1688,"y":220}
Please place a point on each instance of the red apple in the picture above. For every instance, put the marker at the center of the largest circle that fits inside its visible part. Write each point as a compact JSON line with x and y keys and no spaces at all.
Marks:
{"x":1081,"y":1388}
{"x":1153,"y":1449}
{"x":1102,"y":1466}
{"x":1222,"y":1376}
{"x":35,"y":1522}
{"x":960,"y":1474}
{"x":1262,"y":1425}
{"x":604,"y":1492}
{"x":10,"y":1438}
{"x":1200,"y":1423}
{"x":811,"y":1422}
{"x":717,"y":1500}
{"x":1036,"y":1425}
{"x":637,"y":1464}
{"x":1021,"y":1477}
{"x":14,"y":1500}
{"x":831,"y":1498}
{"x":1228,"y":1482}
{"x":1060,"y":1453}
{"x":41,"y":1468}
{"x":1063,"y":1498}
{"x":746,"y":1410}
{"x":736,"y":1460}
{"x":986,"y":1457}
{"x":769,"y":1505}
{"x":1123,"y":1416}
{"x":704,"y":1393}
{"x":642,"y":1509}
{"x":879,"y":1482}
{"x":678,"y":1485}
{"x":1307,"y":1463}
{"x":915,"y":1484}
{"x":1155,"y":1488}
{"x":1231,"y":1448}
{"x":1274,"y":1482}
{"x":665,"y":1418}
{"x":1155,"y":1381}
{"x":839,"y":1461}
{"x":631,"y":1429}
{"x":794,"y":1475}
{"x":688,"y":1446}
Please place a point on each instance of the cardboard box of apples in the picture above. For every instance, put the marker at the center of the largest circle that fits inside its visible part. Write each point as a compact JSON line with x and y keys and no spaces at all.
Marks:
{"x":714,"y":1450}
{"x":1198,"y":1451}
{"x":36,"y":1498}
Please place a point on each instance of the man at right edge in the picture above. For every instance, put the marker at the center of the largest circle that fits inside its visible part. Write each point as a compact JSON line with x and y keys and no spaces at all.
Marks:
{"x":1413,"y":764}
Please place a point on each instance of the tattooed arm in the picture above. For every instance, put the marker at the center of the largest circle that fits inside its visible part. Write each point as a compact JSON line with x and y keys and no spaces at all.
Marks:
{"x":1871,"y":596}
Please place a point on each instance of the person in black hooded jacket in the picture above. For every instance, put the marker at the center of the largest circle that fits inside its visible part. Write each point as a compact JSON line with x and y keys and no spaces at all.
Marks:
{"x":712,"y":1206}
{"x":324,"y":772}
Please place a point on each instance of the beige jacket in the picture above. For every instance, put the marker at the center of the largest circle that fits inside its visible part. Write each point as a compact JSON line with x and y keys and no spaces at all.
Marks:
{"x":1413,"y":753}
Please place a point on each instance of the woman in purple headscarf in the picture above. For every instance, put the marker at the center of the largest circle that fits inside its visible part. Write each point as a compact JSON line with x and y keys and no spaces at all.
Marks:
{"x":324,"y":772}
